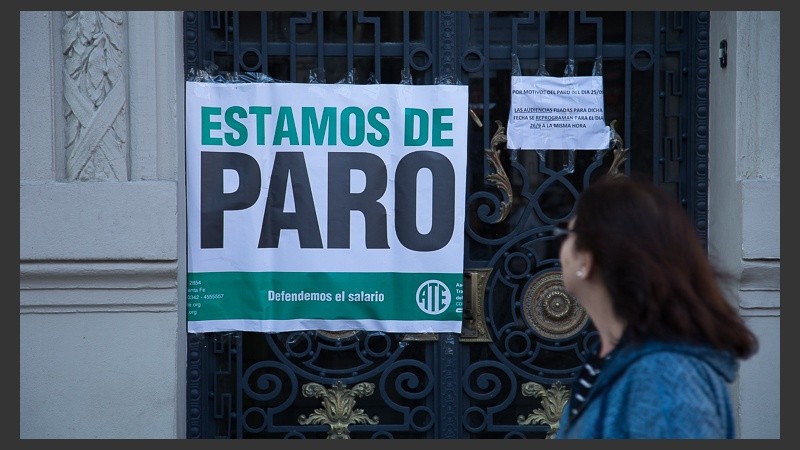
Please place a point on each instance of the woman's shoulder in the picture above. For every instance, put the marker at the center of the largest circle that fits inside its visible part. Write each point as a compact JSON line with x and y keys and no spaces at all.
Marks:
{"x":676,"y":362}
{"x":669,"y":390}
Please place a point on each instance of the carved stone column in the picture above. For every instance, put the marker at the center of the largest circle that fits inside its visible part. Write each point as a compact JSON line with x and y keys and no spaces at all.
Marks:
{"x":95,"y":94}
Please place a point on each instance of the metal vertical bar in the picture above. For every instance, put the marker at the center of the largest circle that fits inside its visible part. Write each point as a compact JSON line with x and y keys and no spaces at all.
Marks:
{"x":448,"y":345}
{"x":240,"y":382}
{"x":430,"y":38}
{"x":571,"y":35}
{"x":219,"y":20}
{"x":376,"y":42}
{"x":191,"y":34}
{"x":542,"y":44}
{"x":237,"y":57}
{"x":598,"y":22}
{"x":292,"y":51}
{"x":598,"y":56}
{"x":487,"y":75}
{"x":515,"y":23}
{"x":197,"y":375}
{"x":406,"y":39}
{"x":658,"y":97}
{"x":448,"y":364}
{"x":264,"y":43}
{"x":685,"y":91}
{"x":196,"y":408}
{"x":627,"y":87}
{"x":293,"y":43}
{"x":697,"y":169}
{"x":674,"y":144}
{"x":350,"y":65}
{"x":321,"y":41}
{"x":436,"y":47}
{"x":447,"y":46}
{"x":690,"y":95}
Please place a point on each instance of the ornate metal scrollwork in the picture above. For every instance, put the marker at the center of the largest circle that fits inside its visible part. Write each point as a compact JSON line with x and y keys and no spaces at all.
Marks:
{"x":338,"y":407}
{"x":499,"y":179}
{"x":553,"y":402}
{"x":620,"y":152}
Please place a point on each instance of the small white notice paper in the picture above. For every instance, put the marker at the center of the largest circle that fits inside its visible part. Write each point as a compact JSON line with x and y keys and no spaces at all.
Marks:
{"x":557,"y":113}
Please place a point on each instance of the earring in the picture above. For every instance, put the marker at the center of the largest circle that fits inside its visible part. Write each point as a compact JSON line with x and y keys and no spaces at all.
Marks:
{"x":579,"y":273}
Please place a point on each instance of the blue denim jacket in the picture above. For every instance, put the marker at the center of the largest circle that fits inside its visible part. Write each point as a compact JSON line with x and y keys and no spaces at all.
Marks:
{"x":658,"y":390}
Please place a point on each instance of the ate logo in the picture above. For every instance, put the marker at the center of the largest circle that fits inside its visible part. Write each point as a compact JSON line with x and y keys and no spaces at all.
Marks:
{"x":433,"y":297}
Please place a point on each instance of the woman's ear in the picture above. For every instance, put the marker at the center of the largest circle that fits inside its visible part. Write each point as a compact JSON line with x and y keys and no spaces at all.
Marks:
{"x":585,"y":262}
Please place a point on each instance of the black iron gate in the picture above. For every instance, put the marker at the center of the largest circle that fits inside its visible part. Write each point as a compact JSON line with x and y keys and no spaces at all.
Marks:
{"x":505,"y":375}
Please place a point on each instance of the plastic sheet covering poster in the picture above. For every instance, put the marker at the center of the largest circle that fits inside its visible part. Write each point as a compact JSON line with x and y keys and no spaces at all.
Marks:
{"x":325,"y":206}
{"x":557,"y":113}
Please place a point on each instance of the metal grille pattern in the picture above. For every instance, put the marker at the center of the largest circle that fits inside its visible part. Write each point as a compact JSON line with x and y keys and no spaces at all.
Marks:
{"x":287,"y":385}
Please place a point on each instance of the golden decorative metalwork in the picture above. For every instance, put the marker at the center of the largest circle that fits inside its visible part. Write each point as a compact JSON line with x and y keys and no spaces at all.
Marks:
{"x":499,"y":179}
{"x":475,"y":118}
{"x":473,"y":322}
{"x":338,"y":407}
{"x":553,"y":402}
{"x":337,"y":334}
{"x":620,"y":152}
{"x":420,"y":337}
{"x":550,"y":310}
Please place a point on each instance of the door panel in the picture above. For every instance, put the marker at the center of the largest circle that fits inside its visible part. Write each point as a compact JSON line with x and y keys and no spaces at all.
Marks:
{"x":523,"y":337}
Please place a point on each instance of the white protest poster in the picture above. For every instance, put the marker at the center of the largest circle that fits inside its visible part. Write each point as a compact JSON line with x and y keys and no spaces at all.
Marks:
{"x":555,"y":113}
{"x":325,"y":206}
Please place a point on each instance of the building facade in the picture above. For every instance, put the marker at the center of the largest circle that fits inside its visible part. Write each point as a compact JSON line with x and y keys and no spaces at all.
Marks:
{"x":103,"y":343}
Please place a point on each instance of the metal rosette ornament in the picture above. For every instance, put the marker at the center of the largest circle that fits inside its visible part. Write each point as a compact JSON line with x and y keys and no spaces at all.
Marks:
{"x":549,"y":310}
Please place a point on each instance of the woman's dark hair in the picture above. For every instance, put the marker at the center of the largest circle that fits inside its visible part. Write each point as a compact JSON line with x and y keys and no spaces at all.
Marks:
{"x":655,"y":268}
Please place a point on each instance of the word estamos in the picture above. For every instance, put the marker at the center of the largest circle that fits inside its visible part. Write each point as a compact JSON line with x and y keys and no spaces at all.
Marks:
{"x":350,"y":126}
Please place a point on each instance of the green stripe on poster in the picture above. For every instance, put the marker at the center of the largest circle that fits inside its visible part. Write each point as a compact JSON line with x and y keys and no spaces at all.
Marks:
{"x":324,"y":296}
